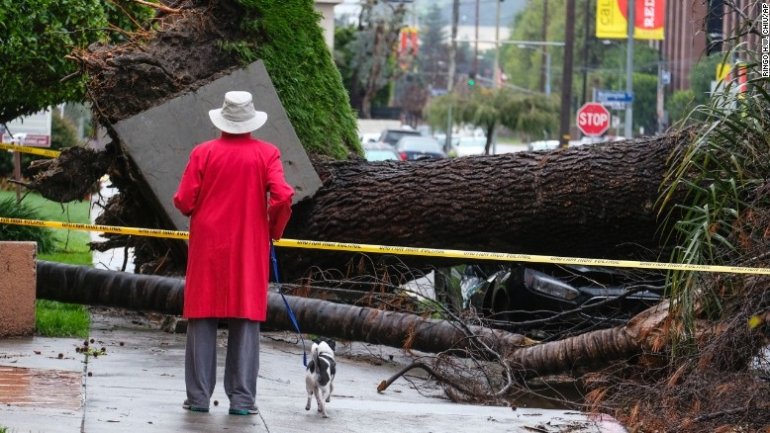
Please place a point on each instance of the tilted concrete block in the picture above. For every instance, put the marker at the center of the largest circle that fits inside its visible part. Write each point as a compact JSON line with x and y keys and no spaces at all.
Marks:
{"x":18,"y":281}
{"x":159,"y":140}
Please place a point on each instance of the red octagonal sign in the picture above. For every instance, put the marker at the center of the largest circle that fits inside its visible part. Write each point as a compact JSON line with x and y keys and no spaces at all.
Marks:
{"x":593,"y":119}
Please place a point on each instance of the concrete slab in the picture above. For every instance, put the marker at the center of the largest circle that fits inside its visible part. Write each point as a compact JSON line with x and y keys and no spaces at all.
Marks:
{"x":159,"y":140}
{"x":50,"y":406}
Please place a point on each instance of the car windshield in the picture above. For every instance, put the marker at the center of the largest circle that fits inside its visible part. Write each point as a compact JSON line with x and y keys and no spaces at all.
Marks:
{"x":419,"y":144}
{"x":392,"y":136}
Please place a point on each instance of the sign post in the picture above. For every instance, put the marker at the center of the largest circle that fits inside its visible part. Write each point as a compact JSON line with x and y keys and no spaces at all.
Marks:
{"x":31,"y":130}
{"x":593,"y":119}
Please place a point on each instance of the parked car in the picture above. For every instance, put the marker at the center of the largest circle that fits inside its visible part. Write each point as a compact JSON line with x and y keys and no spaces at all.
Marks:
{"x":391,"y":136}
{"x":368,"y":137}
{"x":441,"y":138}
{"x":601,"y":297}
{"x":419,"y":147}
{"x":471,"y":146}
{"x":543,"y":145}
{"x":379,"y":152}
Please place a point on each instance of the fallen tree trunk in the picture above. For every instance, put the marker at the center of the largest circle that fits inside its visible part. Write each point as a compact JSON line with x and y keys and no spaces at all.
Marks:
{"x":596,"y":349}
{"x":541,"y":202}
{"x":590,"y":201}
{"x":84,"y":285}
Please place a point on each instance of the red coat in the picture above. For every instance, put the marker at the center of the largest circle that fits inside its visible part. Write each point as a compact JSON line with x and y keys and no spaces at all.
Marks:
{"x":224,"y":190}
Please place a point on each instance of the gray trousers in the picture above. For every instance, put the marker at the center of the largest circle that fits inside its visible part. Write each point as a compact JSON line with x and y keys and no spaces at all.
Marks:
{"x":241,"y":363}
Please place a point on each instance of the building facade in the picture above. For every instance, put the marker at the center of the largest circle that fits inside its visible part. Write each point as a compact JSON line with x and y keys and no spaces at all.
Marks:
{"x":697,"y":28}
{"x":326,"y":9}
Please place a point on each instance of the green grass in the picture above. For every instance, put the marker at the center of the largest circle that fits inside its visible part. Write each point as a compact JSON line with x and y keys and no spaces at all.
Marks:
{"x":71,"y":245}
{"x":56,"y":319}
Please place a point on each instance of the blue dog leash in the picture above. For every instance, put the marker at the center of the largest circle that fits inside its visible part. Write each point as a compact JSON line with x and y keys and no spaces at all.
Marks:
{"x":293,"y":318}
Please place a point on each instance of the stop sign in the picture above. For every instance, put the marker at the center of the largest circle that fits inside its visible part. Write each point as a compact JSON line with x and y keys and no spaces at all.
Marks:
{"x":593,"y":119}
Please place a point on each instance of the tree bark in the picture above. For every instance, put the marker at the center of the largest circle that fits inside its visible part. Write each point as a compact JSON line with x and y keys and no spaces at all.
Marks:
{"x":594,"y":349}
{"x":373,"y":76}
{"x":590,"y":201}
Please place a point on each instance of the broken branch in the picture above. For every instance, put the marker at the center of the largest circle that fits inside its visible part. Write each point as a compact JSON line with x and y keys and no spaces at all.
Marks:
{"x":157,"y":6}
{"x":386,"y":383}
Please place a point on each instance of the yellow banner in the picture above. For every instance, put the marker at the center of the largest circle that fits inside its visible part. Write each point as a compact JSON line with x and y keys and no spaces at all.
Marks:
{"x":612,"y":19}
{"x":409,"y":251}
{"x":723,"y":71}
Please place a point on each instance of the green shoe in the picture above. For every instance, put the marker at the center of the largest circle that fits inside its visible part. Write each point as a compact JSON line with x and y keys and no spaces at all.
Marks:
{"x":187,"y":406}
{"x":250,"y":411}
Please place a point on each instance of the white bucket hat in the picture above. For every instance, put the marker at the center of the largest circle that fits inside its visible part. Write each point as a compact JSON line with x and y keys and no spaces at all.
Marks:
{"x":237,"y":115}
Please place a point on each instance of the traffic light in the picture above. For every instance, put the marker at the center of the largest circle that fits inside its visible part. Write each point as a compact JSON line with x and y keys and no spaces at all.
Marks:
{"x":472,"y":79}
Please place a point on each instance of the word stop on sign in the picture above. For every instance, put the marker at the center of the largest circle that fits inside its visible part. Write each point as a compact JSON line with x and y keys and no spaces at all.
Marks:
{"x":593,"y":119}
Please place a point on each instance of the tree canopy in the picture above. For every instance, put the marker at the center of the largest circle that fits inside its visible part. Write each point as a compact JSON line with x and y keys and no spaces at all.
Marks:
{"x":534,"y":116}
{"x":36,"y":37}
{"x":434,"y":55}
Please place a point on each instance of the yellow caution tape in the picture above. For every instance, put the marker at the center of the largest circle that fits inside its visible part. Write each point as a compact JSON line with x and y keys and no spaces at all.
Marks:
{"x":156,"y":233}
{"x":410,"y":251}
{"x":508,"y":257}
{"x":33,"y":150}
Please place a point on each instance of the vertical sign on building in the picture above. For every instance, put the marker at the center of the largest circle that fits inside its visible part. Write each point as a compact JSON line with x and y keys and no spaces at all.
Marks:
{"x":612,"y":21}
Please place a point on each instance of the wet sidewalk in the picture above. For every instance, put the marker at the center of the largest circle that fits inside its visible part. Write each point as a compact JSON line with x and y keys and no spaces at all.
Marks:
{"x":48,"y":385}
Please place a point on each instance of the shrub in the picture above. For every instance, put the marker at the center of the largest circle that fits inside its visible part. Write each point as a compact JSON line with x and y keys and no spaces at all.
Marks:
{"x":10,"y":209}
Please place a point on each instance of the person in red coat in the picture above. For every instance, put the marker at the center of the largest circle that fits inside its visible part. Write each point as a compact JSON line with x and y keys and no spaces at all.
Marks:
{"x":235,"y":193}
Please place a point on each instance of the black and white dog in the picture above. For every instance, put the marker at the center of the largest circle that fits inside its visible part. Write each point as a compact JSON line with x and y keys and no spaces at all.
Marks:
{"x":320,"y":374}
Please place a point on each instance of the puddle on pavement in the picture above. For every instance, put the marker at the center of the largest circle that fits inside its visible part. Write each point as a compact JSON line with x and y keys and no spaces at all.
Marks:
{"x":31,"y":387}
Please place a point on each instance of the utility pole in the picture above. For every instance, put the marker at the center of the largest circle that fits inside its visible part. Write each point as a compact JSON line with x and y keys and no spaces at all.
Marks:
{"x":476,"y":44}
{"x":543,"y":63}
{"x":496,"y":75}
{"x":17,"y":171}
{"x":566,"y":79}
{"x":629,"y":129}
{"x":451,"y":76}
{"x":498,"y":82}
{"x":586,"y":35}
{"x":659,"y":100}
{"x":453,"y":46}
